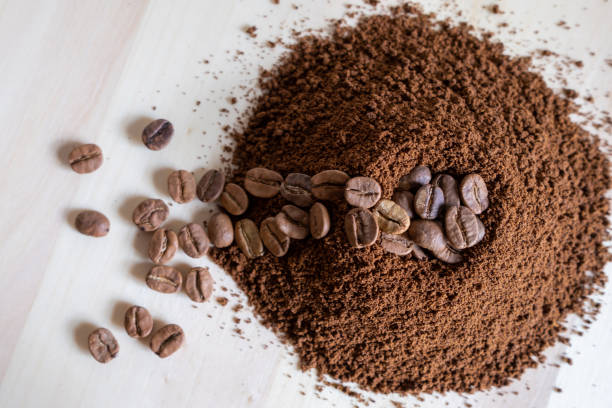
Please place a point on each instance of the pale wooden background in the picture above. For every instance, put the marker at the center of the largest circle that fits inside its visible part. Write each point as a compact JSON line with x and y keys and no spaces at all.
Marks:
{"x":90,"y":71}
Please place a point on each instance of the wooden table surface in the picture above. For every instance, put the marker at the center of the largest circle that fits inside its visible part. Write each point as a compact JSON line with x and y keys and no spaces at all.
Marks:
{"x":91,"y":71}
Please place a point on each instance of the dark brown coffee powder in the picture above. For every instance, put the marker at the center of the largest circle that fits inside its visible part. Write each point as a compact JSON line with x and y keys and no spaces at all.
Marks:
{"x":375,"y":100}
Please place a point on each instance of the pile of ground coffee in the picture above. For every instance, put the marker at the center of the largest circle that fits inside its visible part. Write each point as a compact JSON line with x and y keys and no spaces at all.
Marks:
{"x":376,"y":100}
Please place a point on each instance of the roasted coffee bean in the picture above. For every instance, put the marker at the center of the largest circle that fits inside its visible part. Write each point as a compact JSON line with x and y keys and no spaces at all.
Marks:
{"x":211,"y":185}
{"x":297,"y":189}
{"x":448,"y":184}
{"x":157,"y":134}
{"x":86,"y":158}
{"x":428,"y":201}
{"x":448,"y":254}
{"x":193,"y":240}
{"x":396,"y":244}
{"x":162,"y":246}
{"x":293,"y":222}
{"x":391,"y":218}
{"x":92,"y":223}
{"x":474,"y":193}
{"x":262,"y":182}
{"x":150,"y":214}
{"x":138,"y":322}
{"x":362,"y":192}
{"x":419,"y":176}
{"x":164,"y":279}
{"x":463,"y":228}
{"x":199,"y":284}
{"x":167,"y":340}
{"x":273,"y":238}
{"x":221,"y":230}
{"x":429,"y":235}
{"x":181,"y":186}
{"x":102,"y":345}
{"x":418,"y":253}
{"x":318,"y":219}
{"x":404,"y":199}
{"x":329,"y":185}
{"x":234,"y":199}
{"x":248,"y":239}
{"x":360,"y":227}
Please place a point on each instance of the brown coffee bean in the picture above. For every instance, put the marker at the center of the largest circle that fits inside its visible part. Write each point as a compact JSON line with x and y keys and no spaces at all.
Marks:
{"x":86,"y":158}
{"x":329,"y":185}
{"x":150,"y":214}
{"x":248,"y":239}
{"x":391,"y":218}
{"x":262,"y":182}
{"x":293,"y":222}
{"x":419,"y":176}
{"x":429,"y":235}
{"x":448,"y":184}
{"x":199,"y":284}
{"x":221,"y":230}
{"x":138,"y":322}
{"x":405,"y":199}
{"x":418,"y":253}
{"x":167,"y":340}
{"x":164,"y":279}
{"x":193,"y":240}
{"x":92,"y":223}
{"x":102,"y":345}
{"x":428,"y":201}
{"x":234,"y":199}
{"x":396,"y":244}
{"x":297,"y":189}
{"x":474,"y":193}
{"x":362,"y":192}
{"x":463,"y":228}
{"x":157,"y":134}
{"x":360,"y":227}
{"x":211,"y":186}
{"x":318,"y":219}
{"x":162,"y":246}
{"x":273,"y":238}
{"x":181,"y":186}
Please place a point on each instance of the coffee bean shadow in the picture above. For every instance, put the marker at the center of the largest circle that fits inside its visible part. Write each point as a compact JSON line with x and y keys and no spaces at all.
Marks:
{"x":118,"y":313}
{"x":203,"y":214}
{"x":81,"y":334}
{"x":141,"y":243}
{"x":134,"y":125}
{"x":63,"y":149}
{"x":140,"y":270}
{"x":175,"y":224}
{"x":160,"y":180}
{"x":128,"y":205}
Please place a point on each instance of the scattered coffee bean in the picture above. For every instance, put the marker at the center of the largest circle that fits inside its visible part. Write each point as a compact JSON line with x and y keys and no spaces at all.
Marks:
{"x":448,"y":184}
{"x":297,"y":189}
{"x":262,"y":182}
{"x":463,"y":228}
{"x":247,"y":238}
{"x":391,"y":218}
{"x":193,"y":240}
{"x":234,"y":199}
{"x":164,"y":279}
{"x":318,"y":219}
{"x":419,"y":176}
{"x":221,"y":230}
{"x":162,"y":246}
{"x":211,"y":185}
{"x":138,"y":322}
{"x":102,"y":345}
{"x":429,"y":235}
{"x":360,"y":227}
{"x":404,"y":199}
{"x":199,"y":284}
{"x":181,"y":186}
{"x":167,"y":340}
{"x":293,"y":222}
{"x":329,"y":185}
{"x":428,"y":201}
{"x":86,"y":158}
{"x":157,"y":134}
{"x":362,"y":192}
{"x":273,"y":238}
{"x":92,"y":223}
{"x":150,"y":214}
{"x":396,"y":244}
{"x":474,"y":193}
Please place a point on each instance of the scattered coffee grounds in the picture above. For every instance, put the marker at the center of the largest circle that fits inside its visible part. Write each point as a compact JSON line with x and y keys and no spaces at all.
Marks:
{"x":375,"y":100}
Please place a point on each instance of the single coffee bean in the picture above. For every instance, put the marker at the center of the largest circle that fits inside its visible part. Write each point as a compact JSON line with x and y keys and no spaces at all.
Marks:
{"x":419,"y":176}
{"x":463,"y":228}
{"x":297,"y":189}
{"x":405,"y":199}
{"x":391,"y":218}
{"x":428,"y":201}
{"x":92,"y":223}
{"x":318,"y":219}
{"x":199,"y":284}
{"x":262,"y":182}
{"x":234,"y":199}
{"x":448,"y":184}
{"x":86,"y":158}
{"x":474,"y":193}
{"x":157,"y":134}
{"x":273,"y":238}
{"x":293,"y":222}
{"x":221,"y":230}
{"x":167,"y":340}
{"x":396,"y":244}
{"x":150,"y":214}
{"x":360,"y":227}
{"x":362,"y":192}
{"x":211,"y":186}
{"x":329,"y":185}
{"x":138,"y":322}
{"x":193,"y":240}
{"x":429,"y":235}
{"x":181,"y":186}
{"x":164,"y":279}
{"x":248,"y":239}
{"x":163,"y":245}
{"x":102,"y":345}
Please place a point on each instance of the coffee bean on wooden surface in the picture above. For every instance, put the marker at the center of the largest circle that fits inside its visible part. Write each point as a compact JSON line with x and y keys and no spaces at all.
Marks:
{"x":163,"y":246}
{"x":448,"y":184}
{"x":102,"y":345}
{"x":262,"y":182}
{"x":463,"y":228}
{"x":234,"y":199}
{"x":199,"y":284}
{"x":396,"y":244}
{"x":86,"y":158}
{"x":329,"y":185}
{"x":318,"y":220}
{"x":211,"y":185}
{"x":429,"y":235}
{"x":428,"y":201}
{"x":293,"y":222}
{"x":157,"y":134}
{"x":92,"y":223}
{"x":247,"y":237}
{"x":167,"y":340}
{"x":220,"y":230}
{"x":360,"y":227}
{"x":474,"y":193}
{"x":273,"y":238}
{"x":138,"y":322}
{"x":419,"y":176}
{"x":193,"y":240}
{"x":362,"y":192}
{"x":181,"y":186}
{"x":404,"y":199}
{"x":150,"y":214}
{"x":391,"y":218}
{"x":297,"y":188}
{"x":164,"y":279}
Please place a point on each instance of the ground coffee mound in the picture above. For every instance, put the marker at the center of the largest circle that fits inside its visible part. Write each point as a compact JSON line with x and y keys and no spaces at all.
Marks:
{"x":375,"y":100}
